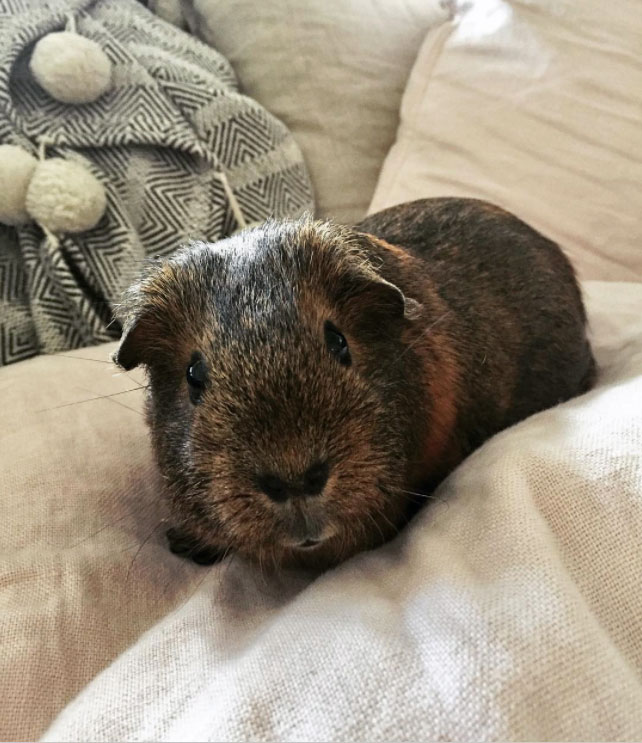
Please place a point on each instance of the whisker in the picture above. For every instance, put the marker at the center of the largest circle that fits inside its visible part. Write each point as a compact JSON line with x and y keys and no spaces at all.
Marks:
{"x":122,"y":405}
{"x":345,"y":542}
{"x":138,"y":551}
{"x":261,"y":561}
{"x":276,"y":565}
{"x":110,"y":524}
{"x":81,"y":358}
{"x":228,"y":550}
{"x":366,"y":541}
{"x":422,"y":335}
{"x":427,"y":496}
{"x":394,"y":528}
{"x":376,"y":523}
{"x":91,"y":399}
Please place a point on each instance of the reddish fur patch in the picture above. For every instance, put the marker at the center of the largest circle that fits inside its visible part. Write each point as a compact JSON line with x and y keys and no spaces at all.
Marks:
{"x":440,"y":452}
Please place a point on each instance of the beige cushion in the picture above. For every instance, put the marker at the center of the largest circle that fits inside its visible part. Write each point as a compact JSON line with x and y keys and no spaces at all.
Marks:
{"x":515,"y":604}
{"x":83,"y":567}
{"x":333,"y":71}
{"x":511,"y":609}
{"x":538,"y":107}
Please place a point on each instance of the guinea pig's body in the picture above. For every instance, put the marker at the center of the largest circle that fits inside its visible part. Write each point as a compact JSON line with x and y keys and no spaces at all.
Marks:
{"x":310,"y":382}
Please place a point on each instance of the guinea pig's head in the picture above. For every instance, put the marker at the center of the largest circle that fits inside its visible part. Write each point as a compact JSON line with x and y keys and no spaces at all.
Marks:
{"x":281,"y":389}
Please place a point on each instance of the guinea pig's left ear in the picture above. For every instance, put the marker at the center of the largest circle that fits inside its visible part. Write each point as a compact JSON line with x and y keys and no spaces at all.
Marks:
{"x":365,"y":292}
{"x":382,"y":297}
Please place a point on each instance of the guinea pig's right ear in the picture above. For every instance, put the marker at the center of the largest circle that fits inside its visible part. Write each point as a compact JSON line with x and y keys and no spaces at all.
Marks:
{"x":156,"y":312}
{"x":131,"y":351}
{"x":141,"y":315}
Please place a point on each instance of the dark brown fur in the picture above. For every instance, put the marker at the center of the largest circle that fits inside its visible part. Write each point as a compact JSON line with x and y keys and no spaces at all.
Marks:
{"x":461,"y":321}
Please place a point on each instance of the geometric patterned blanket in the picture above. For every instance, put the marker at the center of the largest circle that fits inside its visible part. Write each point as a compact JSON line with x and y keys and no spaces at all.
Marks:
{"x":169,"y":141}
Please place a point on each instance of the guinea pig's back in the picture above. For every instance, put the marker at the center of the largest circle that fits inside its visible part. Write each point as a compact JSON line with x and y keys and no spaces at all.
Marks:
{"x":514,"y":309}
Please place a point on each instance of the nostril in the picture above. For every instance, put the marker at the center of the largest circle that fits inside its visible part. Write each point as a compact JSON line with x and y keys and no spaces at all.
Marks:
{"x":273,"y":487}
{"x":315,"y":478}
{"x":311,"y":483}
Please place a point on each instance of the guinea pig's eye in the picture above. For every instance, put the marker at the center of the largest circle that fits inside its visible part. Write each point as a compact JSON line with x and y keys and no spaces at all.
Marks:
{"x":196,"y":376}
{"x":337,"y":344}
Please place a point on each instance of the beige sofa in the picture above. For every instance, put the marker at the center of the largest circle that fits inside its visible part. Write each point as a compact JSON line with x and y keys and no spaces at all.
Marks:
{"x":512,"y":607}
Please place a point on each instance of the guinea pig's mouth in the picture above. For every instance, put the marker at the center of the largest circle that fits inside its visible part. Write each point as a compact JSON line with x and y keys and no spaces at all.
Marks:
{"x":310,"y":541}
{"x":304,"y":526}
{"x":308,"y":544}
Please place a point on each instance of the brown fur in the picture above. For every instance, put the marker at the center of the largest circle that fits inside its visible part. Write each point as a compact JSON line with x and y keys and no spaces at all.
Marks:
{"x":460,"y":320}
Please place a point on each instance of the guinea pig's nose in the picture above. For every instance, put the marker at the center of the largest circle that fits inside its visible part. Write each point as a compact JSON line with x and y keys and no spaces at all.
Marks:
{"x":274,"y":487}
{"x":311,"y":482}
{"x":315,"y":478}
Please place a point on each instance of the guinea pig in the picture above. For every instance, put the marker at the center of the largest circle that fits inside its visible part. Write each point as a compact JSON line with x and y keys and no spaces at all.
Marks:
{"x":310,"y":382}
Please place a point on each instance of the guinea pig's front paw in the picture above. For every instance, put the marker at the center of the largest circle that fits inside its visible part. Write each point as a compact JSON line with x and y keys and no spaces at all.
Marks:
{"x":184,"y":544}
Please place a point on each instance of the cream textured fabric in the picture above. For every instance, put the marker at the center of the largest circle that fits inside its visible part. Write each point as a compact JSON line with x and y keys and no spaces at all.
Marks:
{"x":333,"y":71}
{"x":78,"y":497}
{"x":510,"y":609}
{"x":536,"y":106}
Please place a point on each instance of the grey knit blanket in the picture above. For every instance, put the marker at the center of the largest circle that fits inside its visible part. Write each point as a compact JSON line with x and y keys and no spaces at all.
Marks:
{"x":158,"y":141}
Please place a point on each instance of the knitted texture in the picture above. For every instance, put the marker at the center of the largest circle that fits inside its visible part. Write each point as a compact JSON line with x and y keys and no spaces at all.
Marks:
{"x":169,"y":141}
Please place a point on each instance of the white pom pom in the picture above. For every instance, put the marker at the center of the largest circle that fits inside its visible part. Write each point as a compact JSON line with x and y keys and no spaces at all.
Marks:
{"x":71,"y":68}
{"x":65,"y":197}
{"x":16,"y":170}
